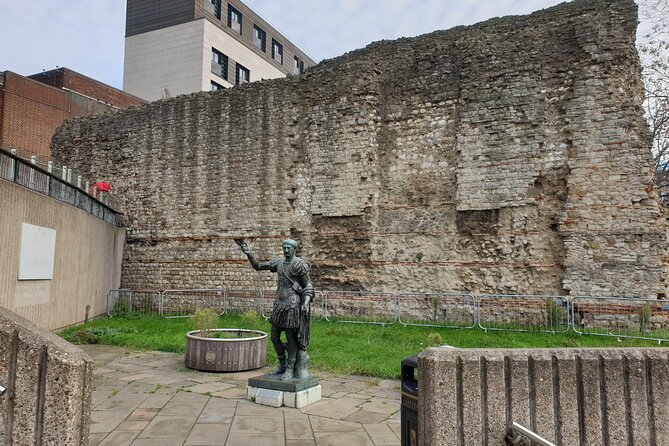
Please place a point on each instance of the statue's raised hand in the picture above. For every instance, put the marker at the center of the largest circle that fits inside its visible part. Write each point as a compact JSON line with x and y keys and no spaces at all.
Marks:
{"x":245,"y":248}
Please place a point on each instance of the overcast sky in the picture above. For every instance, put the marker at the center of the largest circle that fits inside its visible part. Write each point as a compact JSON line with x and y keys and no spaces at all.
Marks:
{"x":88,"y":35}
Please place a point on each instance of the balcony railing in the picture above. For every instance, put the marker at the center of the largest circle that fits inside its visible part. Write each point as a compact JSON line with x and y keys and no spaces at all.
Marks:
{"x":23,"y":172}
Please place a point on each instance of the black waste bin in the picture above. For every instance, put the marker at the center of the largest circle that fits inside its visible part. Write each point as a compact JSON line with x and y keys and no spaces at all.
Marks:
{"x":409,"y":411}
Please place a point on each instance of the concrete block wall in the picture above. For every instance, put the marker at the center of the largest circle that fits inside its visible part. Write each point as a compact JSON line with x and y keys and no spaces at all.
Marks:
{"x":49,"y":386}
{"x":87,"y":259}
{"x":510,"y":156}
{"x":571,"y":397}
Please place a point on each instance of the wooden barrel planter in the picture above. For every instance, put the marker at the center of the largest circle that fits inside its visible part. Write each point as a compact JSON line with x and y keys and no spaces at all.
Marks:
{"x":234,"y":350}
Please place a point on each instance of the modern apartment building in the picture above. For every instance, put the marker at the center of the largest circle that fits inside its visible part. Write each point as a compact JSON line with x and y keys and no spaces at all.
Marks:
{"x":176,"y":47}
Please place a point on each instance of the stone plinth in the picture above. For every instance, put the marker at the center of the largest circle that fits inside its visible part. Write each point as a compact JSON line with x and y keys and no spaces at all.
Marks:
{"x":269,"y":390}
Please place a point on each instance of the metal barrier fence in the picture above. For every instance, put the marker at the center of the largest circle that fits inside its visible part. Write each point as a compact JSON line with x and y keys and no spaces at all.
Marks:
{"x":606,"y":316}
{"x":523,"y":313}
{"x":242,"y":301}
{"x":361,"y":307}
{"x":184,"y":303}
{"x":621,"y":317}
{"x":118,"y":301}
{"x":125,"y":301}
{"x":445,"y":310}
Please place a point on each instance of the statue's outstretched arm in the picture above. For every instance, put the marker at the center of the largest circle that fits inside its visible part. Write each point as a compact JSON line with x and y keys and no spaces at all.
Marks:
{"x":252,"y":260}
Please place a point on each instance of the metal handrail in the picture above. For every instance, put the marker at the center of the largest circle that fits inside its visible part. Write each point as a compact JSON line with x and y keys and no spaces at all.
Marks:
{"x":525,"y":432}
{"x":2,"y":390}
{"x":53,"y":178}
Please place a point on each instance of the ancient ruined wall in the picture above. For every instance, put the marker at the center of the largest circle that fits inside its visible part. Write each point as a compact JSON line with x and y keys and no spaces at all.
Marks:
{"x":508,"y":156}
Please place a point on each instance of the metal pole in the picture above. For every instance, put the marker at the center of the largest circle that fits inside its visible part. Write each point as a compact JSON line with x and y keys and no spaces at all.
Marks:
{"x":15,"y":167}
{"x":49,"y":181}
{"x":522,"y":430}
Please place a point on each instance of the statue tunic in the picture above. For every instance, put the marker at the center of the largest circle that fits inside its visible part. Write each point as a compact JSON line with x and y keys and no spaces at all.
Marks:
{"x":293,"y":288}
{"x":286,"y":308}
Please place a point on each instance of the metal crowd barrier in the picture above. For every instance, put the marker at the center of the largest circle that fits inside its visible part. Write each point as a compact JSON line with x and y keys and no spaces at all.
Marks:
{"x":604,"y":316}
{"x":184,"y":303}
{"x":523,"y":313}
{"x":126,"y":301}
{"x":445,"y":310}
{"x":621,"y":317}
{"x":318,"y":306}
{"x":242,"y":301}
{"x":361,"y":307}
{"x":267,"y":303}
{"x":118,"y":301}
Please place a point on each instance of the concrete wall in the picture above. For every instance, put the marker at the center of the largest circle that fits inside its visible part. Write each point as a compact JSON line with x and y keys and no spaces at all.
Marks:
{"x":571,"y":397}
{"x":510,"y":156}
{"x":168,"y":58}
{"x":49,"y":386}
{"x":87,"y":261}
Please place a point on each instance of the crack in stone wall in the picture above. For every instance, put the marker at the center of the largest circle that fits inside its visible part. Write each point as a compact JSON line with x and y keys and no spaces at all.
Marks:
{"x":509,"y":156}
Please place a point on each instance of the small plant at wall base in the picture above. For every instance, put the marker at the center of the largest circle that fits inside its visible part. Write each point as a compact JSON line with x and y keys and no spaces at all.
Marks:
{"x":434,"y":340}
{"x":121,"y":308}
{"x":250,"y":320}
{"x":205,"y":321}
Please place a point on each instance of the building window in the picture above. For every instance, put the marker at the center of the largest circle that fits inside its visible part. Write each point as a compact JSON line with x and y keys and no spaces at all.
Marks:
{"x":259,"y":37}
{"x":299,"y":66}
{"x":277,"y":51}
{"x":215,"y":86}
{"x":234,"y":19}
{"x":219,"y":64}
{"x":243,"y":75}
{"x":214,"y":7}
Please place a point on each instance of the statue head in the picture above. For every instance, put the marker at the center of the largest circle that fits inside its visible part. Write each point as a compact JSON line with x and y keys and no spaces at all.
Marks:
{"x":289,"y":248}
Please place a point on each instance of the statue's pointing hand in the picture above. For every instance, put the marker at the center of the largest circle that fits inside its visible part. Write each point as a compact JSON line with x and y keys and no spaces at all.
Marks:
{"x":245,"y":248}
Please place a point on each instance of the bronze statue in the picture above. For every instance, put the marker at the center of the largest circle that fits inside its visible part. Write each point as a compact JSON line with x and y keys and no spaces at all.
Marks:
{"x":291,"y":309}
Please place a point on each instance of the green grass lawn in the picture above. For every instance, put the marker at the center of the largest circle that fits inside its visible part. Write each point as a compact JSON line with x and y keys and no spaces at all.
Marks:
{"x":373,"y":350}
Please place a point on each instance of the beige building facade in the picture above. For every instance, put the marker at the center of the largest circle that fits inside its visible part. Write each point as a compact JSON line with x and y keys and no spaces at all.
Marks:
{"x":178,"y":47}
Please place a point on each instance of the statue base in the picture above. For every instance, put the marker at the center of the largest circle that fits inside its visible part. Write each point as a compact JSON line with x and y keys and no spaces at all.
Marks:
{"x":269,"y":390}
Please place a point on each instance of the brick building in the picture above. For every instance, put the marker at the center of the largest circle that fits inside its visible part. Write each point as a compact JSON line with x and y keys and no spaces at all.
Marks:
{"x":32,"y":107}
{"x":177,"y":47}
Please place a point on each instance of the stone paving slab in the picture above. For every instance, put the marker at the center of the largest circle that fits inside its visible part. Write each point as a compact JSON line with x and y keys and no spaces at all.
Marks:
{"x":151,"y":399}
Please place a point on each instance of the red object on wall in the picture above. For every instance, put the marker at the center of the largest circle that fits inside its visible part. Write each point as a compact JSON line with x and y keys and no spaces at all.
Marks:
{"x":102,"y":186}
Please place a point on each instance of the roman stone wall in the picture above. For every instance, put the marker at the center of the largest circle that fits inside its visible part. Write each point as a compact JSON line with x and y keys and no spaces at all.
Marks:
{"x":509,"y":156}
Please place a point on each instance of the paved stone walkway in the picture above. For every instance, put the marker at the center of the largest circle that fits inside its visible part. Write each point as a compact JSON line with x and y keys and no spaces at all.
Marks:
{"x":150,"y":398}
